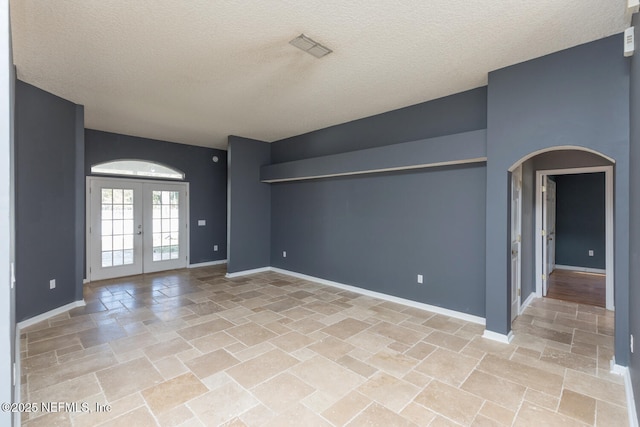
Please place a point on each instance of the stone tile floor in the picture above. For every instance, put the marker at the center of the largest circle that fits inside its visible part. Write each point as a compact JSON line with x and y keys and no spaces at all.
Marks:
{"x":192,"y":348}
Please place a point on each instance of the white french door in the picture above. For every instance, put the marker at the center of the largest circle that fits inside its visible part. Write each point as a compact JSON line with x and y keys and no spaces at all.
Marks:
{"x":135,"y":227}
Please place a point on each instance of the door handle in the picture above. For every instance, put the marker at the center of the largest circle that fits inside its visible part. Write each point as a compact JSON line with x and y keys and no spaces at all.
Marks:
{"x":514,"y":252}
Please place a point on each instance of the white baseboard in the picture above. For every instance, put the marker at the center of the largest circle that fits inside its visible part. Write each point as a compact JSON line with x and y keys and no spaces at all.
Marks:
{"x":49,"y":314}
{"x":247,"y":272}
{"x":17,"y":385}
{"x":581,"y":269}
{"x":494,"y":336}
{"x":207,"y":264}
{"x":526,"y":302}
{"x":628,"y":388}
{"x":386,"y":297}
{"x":85,"y":281}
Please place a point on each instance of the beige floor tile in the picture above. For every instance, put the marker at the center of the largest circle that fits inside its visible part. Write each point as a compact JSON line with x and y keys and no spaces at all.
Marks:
{"x":501,"y":415}
{"x":211,"y":363}
{"x":397,"y":333}
{"x":450,"y":402}
{"x":140,"y":417}
{"x":282,"y":392}
{"x":531,"y":415}
{"x":327,"y":376}
{"x":222,"y":404}
{"x":418,"y":414}
{"x":129,"y":377}
{"x":298,"y":416}
{"x":394,"y":363}
{"x":52,"y":419}
{"x":595,"y":387}
{"x":73,"y":390}
{"x":250,"y":334}
{"x":346,"y":408}
{"x":445,"y":340}
{"x":609,"y":414}
{"x":195,"y":331}
{"x":175,"y":417}
{"x":578,"y":406}
{"x":169,"y":394}
{"x":168,"y":348}
{"x":357,"y":366}
{"x":378,"y":416}
{"x":204,"y":329}
{"x":331,"y":347}
{"x":522,"y":374}
{"x":346,"y":328}
{"x":258,"y":369}
{"x":70,"y":370}
{"x":389,"y":391}
{"x":420,"y":350}
{"x":495,"y":389}
{"x":447,"y":366}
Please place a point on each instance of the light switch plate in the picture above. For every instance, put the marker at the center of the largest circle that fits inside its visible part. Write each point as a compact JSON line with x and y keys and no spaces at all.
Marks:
{"x":202,"y":222}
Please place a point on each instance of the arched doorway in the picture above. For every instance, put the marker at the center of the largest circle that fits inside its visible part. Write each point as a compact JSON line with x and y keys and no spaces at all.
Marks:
{"x":531,"y":249}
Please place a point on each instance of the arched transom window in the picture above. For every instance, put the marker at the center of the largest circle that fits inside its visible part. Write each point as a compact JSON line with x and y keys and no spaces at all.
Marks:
{"x":137,"y":168}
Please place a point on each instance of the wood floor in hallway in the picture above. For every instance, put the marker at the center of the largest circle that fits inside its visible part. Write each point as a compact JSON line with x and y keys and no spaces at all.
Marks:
{"x":578,"y":287}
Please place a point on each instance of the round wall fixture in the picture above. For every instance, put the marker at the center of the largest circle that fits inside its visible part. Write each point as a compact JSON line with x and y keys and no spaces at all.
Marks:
{"x":215,"y":159}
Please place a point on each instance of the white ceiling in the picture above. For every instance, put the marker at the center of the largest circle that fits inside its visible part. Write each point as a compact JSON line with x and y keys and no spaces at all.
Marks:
{"x":196,"y":71}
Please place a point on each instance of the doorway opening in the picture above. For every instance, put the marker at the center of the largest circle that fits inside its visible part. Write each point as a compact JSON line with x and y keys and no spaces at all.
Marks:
{"x":584,"y":285}
{"x":135,"y":226}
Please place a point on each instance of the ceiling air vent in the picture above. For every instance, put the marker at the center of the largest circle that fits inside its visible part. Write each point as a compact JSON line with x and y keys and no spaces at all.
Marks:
{"x":310,"y":46}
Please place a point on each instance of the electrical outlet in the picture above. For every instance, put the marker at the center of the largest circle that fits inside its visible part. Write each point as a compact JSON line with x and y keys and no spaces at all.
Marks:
{"x":52,"y":284}
{"x":420,"y":278}
{"x":284,"y":254}
{"x":590,"y":252}
{"x":631,"y":342}
{"x":215,"y":248}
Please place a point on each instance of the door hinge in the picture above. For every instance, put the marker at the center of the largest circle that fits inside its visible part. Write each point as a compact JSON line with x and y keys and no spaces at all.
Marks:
{"x":544,"y":233}
{"x":543,"y":188}
{"x":518,"y":291}
{"x":544,"y":277}
{"x":519,"y":238}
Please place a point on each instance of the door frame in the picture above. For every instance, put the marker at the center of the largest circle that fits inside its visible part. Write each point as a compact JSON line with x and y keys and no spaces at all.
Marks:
{"x":87,"y":234}
{"x":609,"y":220}
{"x":516,"y":173}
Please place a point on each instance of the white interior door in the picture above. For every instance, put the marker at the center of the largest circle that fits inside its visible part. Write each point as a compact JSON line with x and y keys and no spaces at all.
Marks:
{"x":516,"y":232}
{"x":548,"y":230}
{"x":135,"y":227}
{"x":551,"y":226}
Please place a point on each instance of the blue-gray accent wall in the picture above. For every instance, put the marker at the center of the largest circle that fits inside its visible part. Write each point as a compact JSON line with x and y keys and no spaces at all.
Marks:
{"x":580,"y":220}
{"x":249,"y":205}
{"x":458,"y":113}
{"x":380,"y":231}
{"x":46,"y":211}
{"x":576,"y":97}
{"x":207,"y":182}
{"x":634,"y":214}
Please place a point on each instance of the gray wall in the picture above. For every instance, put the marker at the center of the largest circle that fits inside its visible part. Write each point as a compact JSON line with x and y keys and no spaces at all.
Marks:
{"x":577,"y":97}
{"x":7,"y":226}
{"x":379,"y":231}
{"x":634,"y":213}
{"x":249,"y":205}
{"x":207,"y":182}
{"x":580,"y":220}
{"x":45,"y":201}
{"x":462,"y":112}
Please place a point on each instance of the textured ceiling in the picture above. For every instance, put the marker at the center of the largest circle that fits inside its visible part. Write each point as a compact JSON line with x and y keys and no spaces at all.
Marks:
{"x":196,"y":71}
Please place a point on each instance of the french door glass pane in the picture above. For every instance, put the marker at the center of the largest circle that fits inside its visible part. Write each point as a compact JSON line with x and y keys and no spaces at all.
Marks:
{"x":165,"y":222}
{"x":116,"y":226}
